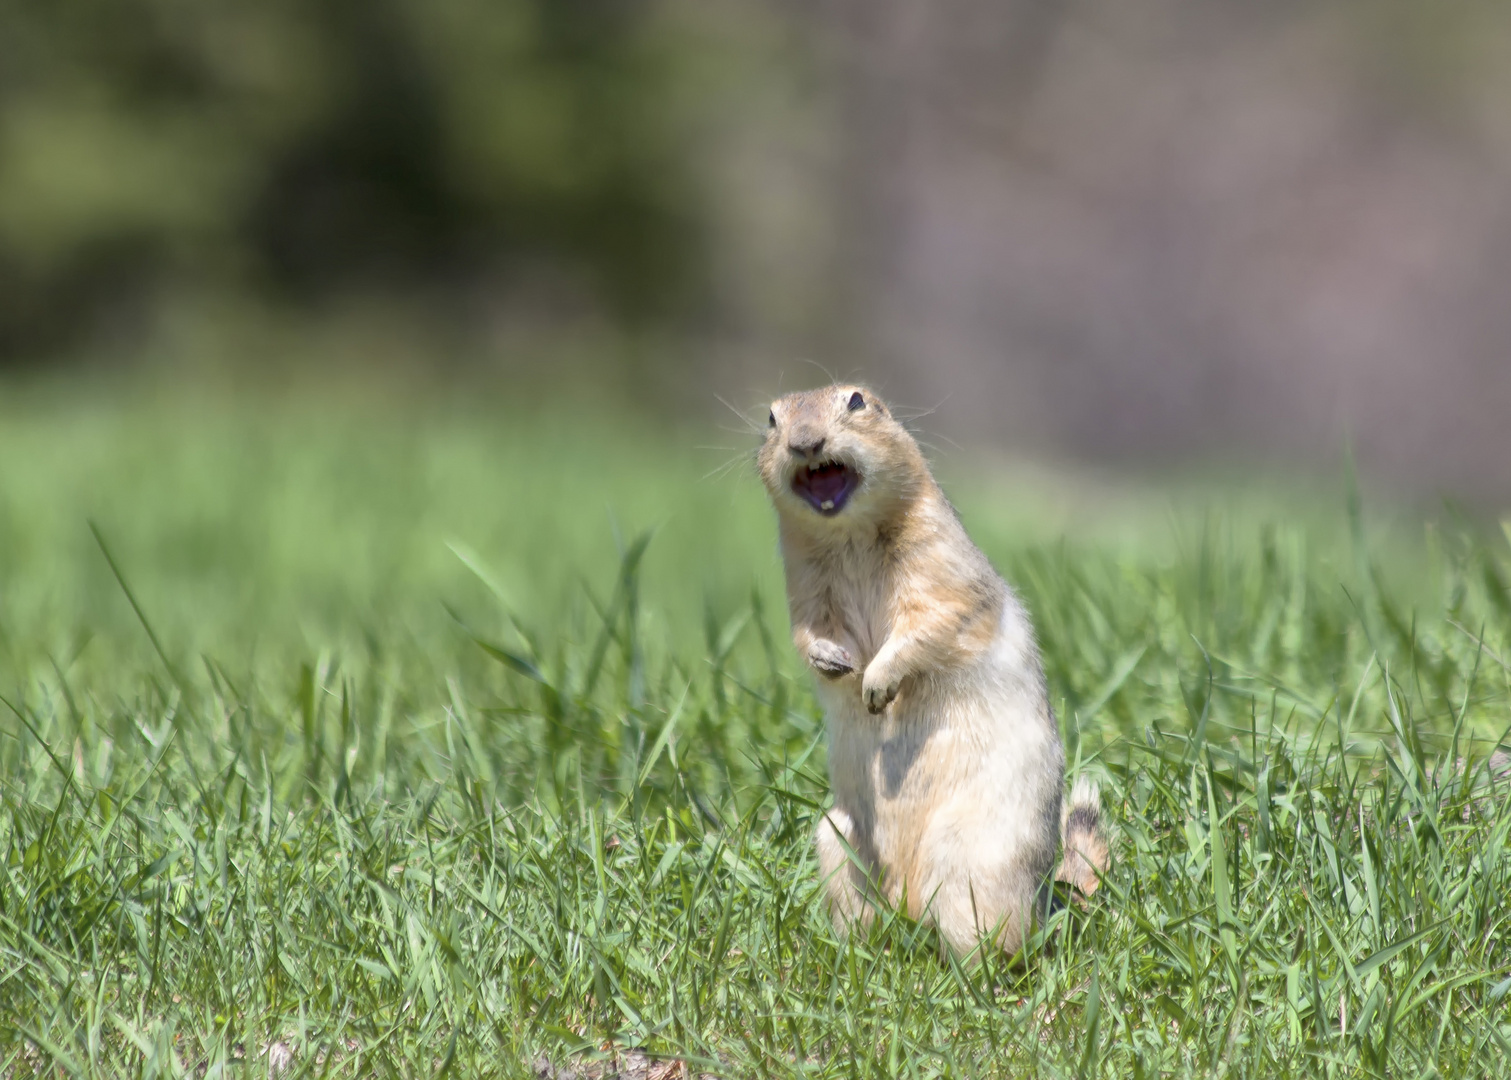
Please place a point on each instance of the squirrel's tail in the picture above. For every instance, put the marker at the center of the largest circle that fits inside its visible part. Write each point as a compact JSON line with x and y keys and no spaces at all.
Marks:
{"x":1087,"y":853}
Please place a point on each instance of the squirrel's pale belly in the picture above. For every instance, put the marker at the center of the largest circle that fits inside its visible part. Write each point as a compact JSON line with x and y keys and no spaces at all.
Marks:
{"x":955,"y":790}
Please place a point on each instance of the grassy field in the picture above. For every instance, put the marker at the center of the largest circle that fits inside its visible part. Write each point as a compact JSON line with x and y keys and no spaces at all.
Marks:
{"x":381,"y":741}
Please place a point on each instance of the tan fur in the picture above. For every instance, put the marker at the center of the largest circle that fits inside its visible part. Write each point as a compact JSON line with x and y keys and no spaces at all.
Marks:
{"x":945,"y":761}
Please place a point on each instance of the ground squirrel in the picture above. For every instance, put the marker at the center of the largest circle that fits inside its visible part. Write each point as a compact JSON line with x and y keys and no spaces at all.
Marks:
{"x":944,"y":758}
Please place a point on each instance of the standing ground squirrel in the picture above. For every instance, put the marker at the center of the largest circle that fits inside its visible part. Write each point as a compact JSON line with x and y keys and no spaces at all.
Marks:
{"x":944,"y":758}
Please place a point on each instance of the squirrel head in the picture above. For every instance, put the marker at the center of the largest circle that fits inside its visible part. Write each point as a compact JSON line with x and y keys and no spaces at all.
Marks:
{"x":836,"y":456}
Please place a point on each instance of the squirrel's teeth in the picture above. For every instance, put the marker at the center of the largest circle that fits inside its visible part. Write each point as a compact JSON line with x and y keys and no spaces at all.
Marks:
{"x":827,"y":504}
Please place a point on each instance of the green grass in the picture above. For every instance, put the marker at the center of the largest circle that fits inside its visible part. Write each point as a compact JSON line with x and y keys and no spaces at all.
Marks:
{"x":445,"y":739}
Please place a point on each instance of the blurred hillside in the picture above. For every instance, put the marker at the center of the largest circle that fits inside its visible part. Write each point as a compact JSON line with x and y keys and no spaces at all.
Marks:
{"x":1148,"y":235}
{"x":1170,"y":231}
{"x":300,"y":152}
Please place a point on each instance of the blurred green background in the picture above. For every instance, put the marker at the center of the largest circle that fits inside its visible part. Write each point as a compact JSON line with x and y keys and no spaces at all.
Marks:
{"x":1147,"y":237}
{"x":515,"y":274}
{"x":296,"y":152}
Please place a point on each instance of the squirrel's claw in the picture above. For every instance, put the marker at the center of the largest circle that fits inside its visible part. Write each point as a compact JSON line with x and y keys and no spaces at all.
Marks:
{"x":877,"y":689}
{"x":830,"y":660}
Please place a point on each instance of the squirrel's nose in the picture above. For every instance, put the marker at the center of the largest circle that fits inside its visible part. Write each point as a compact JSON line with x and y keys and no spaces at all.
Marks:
{"x":805,"y":444}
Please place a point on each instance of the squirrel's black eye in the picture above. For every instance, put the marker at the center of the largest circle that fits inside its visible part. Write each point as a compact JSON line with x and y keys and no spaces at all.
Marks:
{"x":771,"y":418}
{"x":856,"y":401}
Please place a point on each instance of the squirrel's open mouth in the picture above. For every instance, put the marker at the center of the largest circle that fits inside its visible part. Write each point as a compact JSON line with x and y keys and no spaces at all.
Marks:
{"x":827,"y":486}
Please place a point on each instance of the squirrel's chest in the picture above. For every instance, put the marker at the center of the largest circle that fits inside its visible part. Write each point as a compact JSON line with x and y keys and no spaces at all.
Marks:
{"x":860,"y":599}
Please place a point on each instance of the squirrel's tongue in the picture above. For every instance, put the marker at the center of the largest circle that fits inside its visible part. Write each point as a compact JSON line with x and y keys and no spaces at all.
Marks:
{"x":829,"y":483}
{"x":827,"y":488}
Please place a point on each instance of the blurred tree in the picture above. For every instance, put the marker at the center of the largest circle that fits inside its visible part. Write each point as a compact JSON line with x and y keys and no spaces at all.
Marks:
{"x":312,"y":147}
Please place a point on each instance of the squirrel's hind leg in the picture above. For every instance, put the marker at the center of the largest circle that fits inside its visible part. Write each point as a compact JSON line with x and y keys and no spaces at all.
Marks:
{"x":974,"y":886}
{"x":844,"y":879}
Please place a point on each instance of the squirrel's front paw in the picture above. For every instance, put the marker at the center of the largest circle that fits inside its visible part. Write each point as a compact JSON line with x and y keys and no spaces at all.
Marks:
{"x":878,"y":687}
{"x":830,"y":660}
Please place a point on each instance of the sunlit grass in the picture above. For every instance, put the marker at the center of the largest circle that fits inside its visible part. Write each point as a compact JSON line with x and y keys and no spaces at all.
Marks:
{"x":473,"y":737}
